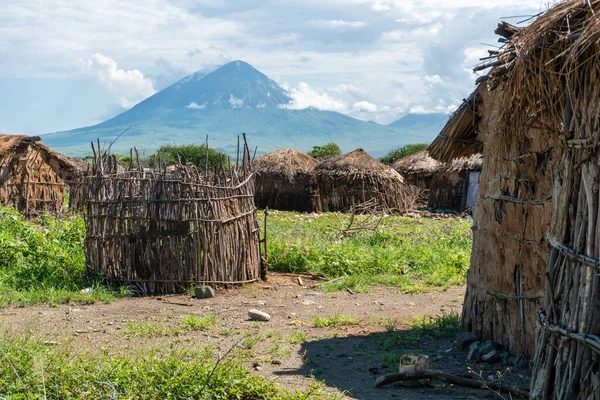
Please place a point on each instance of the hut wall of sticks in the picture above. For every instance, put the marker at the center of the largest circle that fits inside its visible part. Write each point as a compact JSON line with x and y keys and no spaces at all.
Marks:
{"x":549,"y":72}
{"x":505,"y":281}
{"x":163,"y":230}
{"x":284,"y":181}
{"x":356,"y":178}
{"x":32,"y":176}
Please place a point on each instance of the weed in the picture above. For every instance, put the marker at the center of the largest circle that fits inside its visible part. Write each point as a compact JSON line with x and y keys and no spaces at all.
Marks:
{"x":277,"y":351}
{"x":297,"y":337}
{"x":334,"y":321}
{"x":392,"y":361}
{"x":389,"y":324}
{"x":226,"y":331}
{"x":445,"y":325}
{"x":197,"y":323}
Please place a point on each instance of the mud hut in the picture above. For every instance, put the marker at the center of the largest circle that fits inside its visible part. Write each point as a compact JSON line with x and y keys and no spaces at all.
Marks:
{"x":355,"y":178}
{"x":418,"y":169}
{"x":505,"y":282}
{"x":284,"y":180}
{"x":549,"y":73}
{"x":455,"y":185}
{"x":32,"y":176}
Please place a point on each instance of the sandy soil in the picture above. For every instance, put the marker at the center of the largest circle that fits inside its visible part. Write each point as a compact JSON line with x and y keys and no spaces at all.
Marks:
{"x":348,"y":359}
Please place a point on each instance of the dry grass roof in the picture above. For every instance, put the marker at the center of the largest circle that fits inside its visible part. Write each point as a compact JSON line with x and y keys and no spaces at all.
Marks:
{"x":357,"y":162}
{"x":11,"y":142}
{"x":459,"y":137}
{"x":417,"y":163}
{"x":472,"y":163}
{"x":284,"y":162}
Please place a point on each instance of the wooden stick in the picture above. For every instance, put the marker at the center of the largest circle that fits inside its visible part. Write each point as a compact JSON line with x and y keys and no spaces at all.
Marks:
{"x":448,"y":378}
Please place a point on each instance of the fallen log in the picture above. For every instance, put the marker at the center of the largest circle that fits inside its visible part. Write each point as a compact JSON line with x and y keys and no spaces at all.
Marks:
{"x":448,"y":378}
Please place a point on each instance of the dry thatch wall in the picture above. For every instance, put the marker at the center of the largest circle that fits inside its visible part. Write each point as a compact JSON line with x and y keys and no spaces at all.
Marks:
{"x":164,"y":230}
{"x":505,"y":282}
{"x":31,"y":176}
{"x":356,"y":178}
{"x":281,"y":192}
{"x":284,"y":181}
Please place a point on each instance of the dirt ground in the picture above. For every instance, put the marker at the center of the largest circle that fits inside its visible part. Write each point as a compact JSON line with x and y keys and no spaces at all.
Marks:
{"x":347,"y":359}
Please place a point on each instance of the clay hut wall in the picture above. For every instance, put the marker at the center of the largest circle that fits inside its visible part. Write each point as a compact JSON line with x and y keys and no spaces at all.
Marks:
{"x":31,"y":175}
{"x":549,"y":72}
{"x":505,"y":282}
{"x":284,"y":181}
{"x":447,"y":190}
{"x":356,"y":178}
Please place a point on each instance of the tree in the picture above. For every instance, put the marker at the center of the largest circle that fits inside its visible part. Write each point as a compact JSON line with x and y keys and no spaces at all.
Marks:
{"x":329,"y":150}
{"x":401,"y":152}
{"x":188,"y":154}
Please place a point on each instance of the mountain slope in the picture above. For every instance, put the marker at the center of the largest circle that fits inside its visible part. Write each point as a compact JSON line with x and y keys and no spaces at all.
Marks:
{"x":421,"y":121}
{"x":232,"y":99}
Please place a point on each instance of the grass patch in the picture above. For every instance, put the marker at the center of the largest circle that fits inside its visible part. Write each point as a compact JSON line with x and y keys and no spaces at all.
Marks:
{"x":43,"y":261}
{"x":334,"y":321}
{"x":389,"y":324}
{"x":414,"y":254}
{"x":440,"y":326}
{"x":297,"y":337}
{"x":32,"y":370}
{"x":198,"y":323}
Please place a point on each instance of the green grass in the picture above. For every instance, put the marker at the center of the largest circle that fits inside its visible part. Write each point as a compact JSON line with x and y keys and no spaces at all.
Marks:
{"x":31,"y":370}
{"x":334,"y":321}
{"x":160,"y":328}
{"x":414,"y":254}
{"x":440,"y":326}
{"x":43,"y":261}
{"x":297,"y":337}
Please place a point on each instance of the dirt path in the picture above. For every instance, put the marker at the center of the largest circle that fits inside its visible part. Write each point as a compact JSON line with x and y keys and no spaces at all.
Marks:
{"x":288,"y":349}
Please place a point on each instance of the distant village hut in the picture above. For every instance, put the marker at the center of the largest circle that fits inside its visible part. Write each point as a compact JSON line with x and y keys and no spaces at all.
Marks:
{"x":418,"y":169}
{"x":284,"y":180}
{"x":32,"y":176}
{"x":356,"y":178}
{"x":455,"y":185}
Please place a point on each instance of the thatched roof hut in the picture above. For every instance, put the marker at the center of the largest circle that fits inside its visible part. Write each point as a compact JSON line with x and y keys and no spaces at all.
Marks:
{"x":543,"y":117}
{"x":505,"y":281}
{"x":417,"y":169}
{"x":284,"y":180}
{"x":455,"y":185}
{"x":356,"y":177}
{"x":448,"y":186}
{"x":31,"y":175}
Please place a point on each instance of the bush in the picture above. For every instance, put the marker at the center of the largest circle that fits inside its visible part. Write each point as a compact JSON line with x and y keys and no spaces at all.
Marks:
{"x":401,"y":152}
{"x":188,"y":154}
{"x":329,"y":150}
{"x":43,"y":260}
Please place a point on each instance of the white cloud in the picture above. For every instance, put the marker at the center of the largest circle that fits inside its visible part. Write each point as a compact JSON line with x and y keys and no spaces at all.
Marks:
{"x":303,"y":96}
{"x":337,"y":24}
{"x":364,"y":106}
{"x":195,"y":106}
{"x":128,"y":87}
{"x":261,"y":105}
{"x":235,"y":102}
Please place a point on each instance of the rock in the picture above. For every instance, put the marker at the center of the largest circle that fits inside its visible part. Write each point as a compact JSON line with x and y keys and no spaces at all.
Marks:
{"x":87,"y":290}
{"x":504,"y":356}
{"x":490,"y":357}
{"x":257,"y":315}
{"x":465,"y":339}
{"x":308,"y":302}
{"x":511,"y":360}
{"x":488,"y":346}
{"x":474,"y":353}
{"x":204,"y":292}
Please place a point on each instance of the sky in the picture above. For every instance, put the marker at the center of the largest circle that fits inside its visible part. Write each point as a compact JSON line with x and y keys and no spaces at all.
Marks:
{"x":72,"y":63}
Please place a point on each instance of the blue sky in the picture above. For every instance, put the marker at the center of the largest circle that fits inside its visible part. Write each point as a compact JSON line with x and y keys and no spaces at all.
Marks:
{"x":72,"y":63}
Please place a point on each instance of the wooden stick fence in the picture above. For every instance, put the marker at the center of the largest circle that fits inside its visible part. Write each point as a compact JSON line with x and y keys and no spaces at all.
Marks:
{"x":167,"y":229}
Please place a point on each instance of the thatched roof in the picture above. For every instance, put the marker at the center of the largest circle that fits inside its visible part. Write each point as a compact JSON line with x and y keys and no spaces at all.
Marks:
{"x":286,"y":162}
{"x":11,"y":142}
{"x":417,"y":163}
{"x":472,"y":163}
{"x":459,"y":136}
{"x":357,"y":162}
